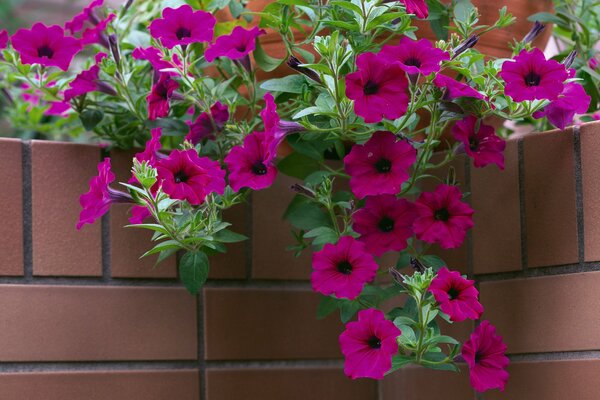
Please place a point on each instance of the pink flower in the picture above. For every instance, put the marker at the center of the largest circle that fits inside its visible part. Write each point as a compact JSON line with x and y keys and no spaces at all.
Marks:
{"x":485,"y":354}
{"x":185,"y":176}
{"x":183,"y":26}
{"x":234,"y":46}
{"x":47,"y":46}
{"x":86,"y":15}
{"x":207,"y":126}
{"x":96,"y":202}
{"x":369,"y":345}
{"x":531,"y":77}
{"x":480,"y":142}
{"x":342,"y":269}
{"x":157,"y":59}
{"x":3,"y":39}
{"x":384,"y":223}
{"x":138,"y":215}
{"x":417,"y":7}
{"x":442,"y":217}
{"x":596,"y":116}
{"x":273,"y":124}
{"x":158,"y":99}
{"x":380,"y":166}
{"x":561,"y":112}
{"x":151,"y":152}
{"x":251,"y":165}
{"x":379,"y":89}
{"x":455,"y":89}
{"x":592,"y":63}
{"x":456,"y":295}
{"x":415,"y":56}
{"x":88,"y":81}
{"x":58,"y":109}
{"x":95,"y":34}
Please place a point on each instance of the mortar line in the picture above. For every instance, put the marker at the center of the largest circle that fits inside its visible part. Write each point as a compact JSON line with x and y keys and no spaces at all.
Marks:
{"x":27,"y":211}
{"x":249,"y":243}
{"x":542,"y":271}
{"x":522,"y":214}
{"x":203,"y":394}
{"x":275,"y":364}
{"x":556,"y":356}
{"x":77,"y":366}
{"x":105,"y":247}
{"x":470,"y":266}
{"x":579,"y":195}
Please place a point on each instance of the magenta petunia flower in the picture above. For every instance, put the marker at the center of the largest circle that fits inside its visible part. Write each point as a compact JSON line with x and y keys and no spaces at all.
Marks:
{"x":561,"y":112}
{"x":415,"y":56}
{"x":58,"y":109}
{"x":455,"y":89}
{"x":480,"y":142}
{"x":417,"y":7}
{"x":183,"y":26}
{"x":369,"y":345}
{"x":379,"y":88}
{"x":96,"y":202}
{"x":238,"y":44}
{"x":342,"y":269}
{"x":531,"y":77}
{"x":138,"y":215}
{"x":380,"y":166}
{"x":384,"y":223}
{"x":207,"y":126}
{"x":88,"y":14}
{"x":158,"y":99}
{"x":96,"y":34}
{"x":157,"y":59}
{"x":442,"y":217}
{"x":185,"y":176}
{"x":252,"y":164}
{"x":592,"y":62}
{"x":3,"y":39}
{"x":274,"y":125}
{"x":456,"y":295}
{"x":485,"y":354}
{"x":47,"y":46}
{"x":151,"y":152}
{"x":88,"y":81}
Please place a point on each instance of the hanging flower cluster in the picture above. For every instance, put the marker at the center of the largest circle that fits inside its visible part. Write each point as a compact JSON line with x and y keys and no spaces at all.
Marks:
{"x":369,"y":120}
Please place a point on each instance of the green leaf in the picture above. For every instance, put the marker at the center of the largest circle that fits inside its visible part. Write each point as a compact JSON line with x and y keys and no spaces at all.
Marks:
{"x":265,"y":61}
{"x":227,"y":236}
{"x":153,"y":227}
{"x":193,"y":270}
{"x":163,"y":255}
{"x":288,"y":84}
{"x":432,"y":261}
{"x":302,"y":213}
{"x":91,"y":118}
{"x":546,"y":17}
{"x":348,"y":310}
{"x":399,"y":361}
{"x":327,"y":305}
{"x":322,"y":235}
{"x":166,"y":245}
{"x":298,"y":165}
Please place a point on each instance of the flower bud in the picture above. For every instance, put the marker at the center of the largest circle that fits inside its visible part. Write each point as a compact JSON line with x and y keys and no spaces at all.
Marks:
{"x":294,"y":64}
{"x":568,"y":61}
{"x":114,"y":47}
{"x":296,"y":187}
{"x":465,"y":45}
{"x":535,"y":31}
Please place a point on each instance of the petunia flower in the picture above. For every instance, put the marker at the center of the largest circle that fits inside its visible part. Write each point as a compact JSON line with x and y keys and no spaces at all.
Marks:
{"x":151,"y":153}
{"x":485,"y":354}
{"x":442,"y":217}
{"x":96,"y":34}
{"x":158,"y":99}
{"x":238,"y":44}
{"x":415,"y":56}
{"x":480,"y":142}
{"x":207,"y":126}
{"x":185,"y":176}
{"x":183,"y":26}
{"x":58,"y":109}
{"x":252,"y":164}
{"x":455,"y":89}
{"x":417,"y":7}
{"x":47,"y":46}
{"x":157,"y":59}
{"x":592,"y":62}
{"x":96,"y":202}
{"x":379,"y":88}
{"x":88,"y":81}
{"x":369,"y":344}
{"x":531,"y":77}
{"x":3,"y":39}
{"x":88,"y":14}
{"x":456,"y":295}
{"x":384,"y":223}
{"x":138,"y":215}
{"x":342,"y":269}
{"x":561,"y":112}
{"x":380,"y":166}
{"x":273,"y":124}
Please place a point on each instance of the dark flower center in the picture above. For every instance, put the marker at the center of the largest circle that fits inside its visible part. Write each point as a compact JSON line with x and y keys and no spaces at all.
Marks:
{"x":453,"y":293}
{"x":183,"y":32}
{"x":386,"y":224}
{"x":442,"y":215}
{"x":532,"y":79}
{"x":259,"y":168}
{"x":344,"y":267}
{"x":413,"y":62}
{"x":370,"y":88}
{"x":478,"y":357}
{"x":374,"y":342}
{"x":180,"y":177}
{"x":383,"y":165}
{"x":241,"y":47}
{"x":45,"y":51}
{"x":473,"y":143}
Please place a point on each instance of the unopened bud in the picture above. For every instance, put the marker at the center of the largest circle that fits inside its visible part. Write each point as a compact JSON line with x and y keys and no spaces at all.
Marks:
{"x":294,"y":64}
{"x":535,"y":31}
{"x":568,"y":61}
{"x":114,"y":47}
{"x":465,"y":45}
{"x":302,"y":190}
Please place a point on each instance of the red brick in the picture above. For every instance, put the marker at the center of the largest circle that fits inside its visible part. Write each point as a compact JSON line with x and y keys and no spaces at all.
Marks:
{"x":70,"y":323}
{"x":11,"y":214}
{"x":495,"y":199}
{"x":418,"y":383}
{"x":552,"y":313}
{"x":590,"y":168}
{"x":288,"y":384}
{"x":551,"y":380}
{"x":102,"y":385}
{"x":550,"y":199}
{"x":252,"y":324}
{"x":232,"y":265}
{"x":60,"y":174}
